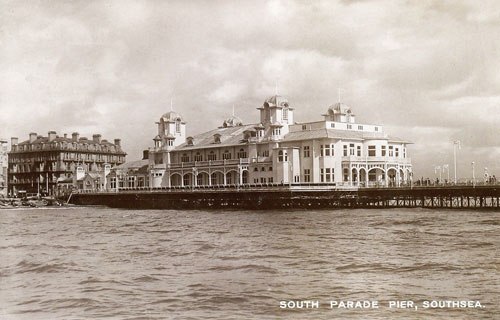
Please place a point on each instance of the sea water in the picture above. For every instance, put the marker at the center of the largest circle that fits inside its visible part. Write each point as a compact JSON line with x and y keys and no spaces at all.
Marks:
{"x":101,"y":263}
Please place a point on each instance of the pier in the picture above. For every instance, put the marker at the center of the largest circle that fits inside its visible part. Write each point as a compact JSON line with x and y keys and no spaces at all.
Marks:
{"x":279,"y":196}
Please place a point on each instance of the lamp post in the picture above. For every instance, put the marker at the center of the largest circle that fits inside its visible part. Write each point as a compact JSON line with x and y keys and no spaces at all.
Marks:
{"x":447,"y":167}
{"x":473,"y":176}
{"x":436,"y":169}
{"x":455,"y":143}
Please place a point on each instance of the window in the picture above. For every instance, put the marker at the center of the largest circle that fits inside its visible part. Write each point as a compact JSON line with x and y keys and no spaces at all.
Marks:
{"x":263,"y":169}
{"x":376,"y":128}
{"x":296,"y":179}
{"x":270,"y":168}
{"x":140,"y":182}
{"x":332,"y":125}
{"x":349,"y":126}
{"x":307,"y":175}
{"x":213,"y":178}
{"x":391,"y":151}
{"x":285,"y":156}
{"x":265,"y":153}
{"x":280,"y":156}
{"x":178,"y":125}
{"x":260,"y":133}
{"x":345,"y":150}
{"x":360,"y":128}
{"x":327,"y":150}
{"x":198,"y":157}
{"x":242,"y":154}
{"x":276,"y":131}
{"x":306,"y":152}
{"x":404,"y":152}
{"x":327,"y":174}
{"x":212,"y":156}
{"x":304,"y":127}
{"x":397,"y":152}
{"x":229,"y":179}
{"x":199,"y":179}
{"x":113,"y":182}
{"x":322,"y":152}
{"x":371,"y":151}
{"x":263,"y":180}
{"x":226,"y":155}
{"x":185,"y":157}
{"x":346,"y":174}
{"x":322,"y":175}
{"x":186,"y":180}
{"x":270,"y":180}
{"x":255,"y":169}
{"x":358,"y":151}
{"x":131,"y":182}
{"x":351,"y":149}
{"x":285,"y":114}
{"x":384,"y":150}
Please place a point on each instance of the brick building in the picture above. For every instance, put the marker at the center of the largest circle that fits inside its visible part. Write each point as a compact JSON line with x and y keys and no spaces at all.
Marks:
{"x":41,"y":164}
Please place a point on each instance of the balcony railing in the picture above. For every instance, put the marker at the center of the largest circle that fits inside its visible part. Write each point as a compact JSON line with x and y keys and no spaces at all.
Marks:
{"x":209,"y":163}
{"x":377,"y":159}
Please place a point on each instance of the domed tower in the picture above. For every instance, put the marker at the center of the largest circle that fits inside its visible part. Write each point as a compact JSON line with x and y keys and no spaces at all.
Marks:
{"x":276,"y":113}
{"x":232,"y":121}
{"x":171,"y":130}
{"x":340,"y":112}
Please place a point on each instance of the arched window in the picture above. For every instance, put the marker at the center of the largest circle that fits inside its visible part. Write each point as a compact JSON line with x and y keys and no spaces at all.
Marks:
{"x":285,"y":113}
{"x":187,"y":180}
{"x":242,"y":153}
{"x":212,"y":156}
{"x":226,"y":155}
{"x":280,"y":156}
{"x":198,"y":157}
{"x":184,"y":157}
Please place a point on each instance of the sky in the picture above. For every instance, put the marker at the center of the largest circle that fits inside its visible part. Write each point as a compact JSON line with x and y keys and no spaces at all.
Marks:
{"x":426,"y":70}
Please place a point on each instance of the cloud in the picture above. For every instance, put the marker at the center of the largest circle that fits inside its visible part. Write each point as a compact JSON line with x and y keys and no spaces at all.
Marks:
{"x":426,"y":70}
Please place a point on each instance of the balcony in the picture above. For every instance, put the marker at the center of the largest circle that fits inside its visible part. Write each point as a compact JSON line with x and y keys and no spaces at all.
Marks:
{"x":377,"y":159}
{"x":210,"y":163}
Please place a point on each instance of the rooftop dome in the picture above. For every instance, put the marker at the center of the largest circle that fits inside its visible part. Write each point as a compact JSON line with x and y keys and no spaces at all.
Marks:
{"x":340,"y":107}
{"x":276,"y":101}
{"x":232,"y":121}
{"x":172,"y":116}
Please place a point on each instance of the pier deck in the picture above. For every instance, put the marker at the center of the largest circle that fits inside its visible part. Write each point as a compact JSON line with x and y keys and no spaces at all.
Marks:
{"x":295,"y":196}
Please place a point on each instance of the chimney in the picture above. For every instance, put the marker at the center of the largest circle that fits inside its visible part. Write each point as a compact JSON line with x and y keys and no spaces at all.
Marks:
{"x":96,"y":138}
{"x":145,"y":154}
{"x":52,"y":135}
{"x":14,"y":141}
{"x":33,"y":136}
{"x":65,"y":136}
{"x":118,"y":142}
{"x":75,"y":136}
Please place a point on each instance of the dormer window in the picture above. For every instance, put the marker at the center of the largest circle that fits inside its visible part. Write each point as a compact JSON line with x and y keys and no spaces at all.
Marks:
{"x":217,"y":138}
{"x":190,"y":141}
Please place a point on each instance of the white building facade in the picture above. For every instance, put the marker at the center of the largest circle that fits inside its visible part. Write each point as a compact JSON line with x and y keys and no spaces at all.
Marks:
{"x":333,"y":151}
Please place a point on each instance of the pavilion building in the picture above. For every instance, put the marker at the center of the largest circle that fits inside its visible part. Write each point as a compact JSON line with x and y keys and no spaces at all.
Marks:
{"x":335,"y":150}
